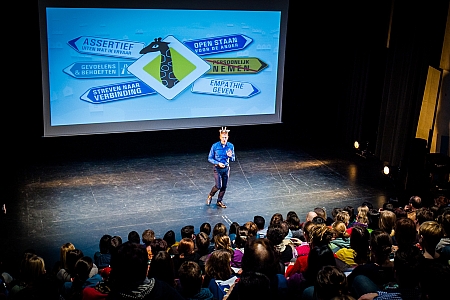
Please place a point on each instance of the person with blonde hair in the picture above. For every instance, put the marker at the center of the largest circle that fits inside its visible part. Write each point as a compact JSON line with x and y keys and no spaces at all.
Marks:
{"x":62,"y":264}
{"x":362,"y":219}
{"x":430,"y":233}
{"x":341,"y":238}
{"x":33,"y":282}
{"x":344,"y":217}
{"x":223,"y":242}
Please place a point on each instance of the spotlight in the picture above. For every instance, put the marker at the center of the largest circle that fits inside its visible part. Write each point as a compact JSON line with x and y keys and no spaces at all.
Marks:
{"x":356,"y":144}
{"x":386,"y":170}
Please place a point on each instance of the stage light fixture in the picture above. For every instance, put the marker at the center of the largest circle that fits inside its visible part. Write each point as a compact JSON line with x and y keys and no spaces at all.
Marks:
{"x":356,"y":145}
{"x":386,"y":170}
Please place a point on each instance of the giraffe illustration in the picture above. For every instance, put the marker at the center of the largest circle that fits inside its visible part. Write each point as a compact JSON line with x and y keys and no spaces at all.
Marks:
{"x":166,"y":74}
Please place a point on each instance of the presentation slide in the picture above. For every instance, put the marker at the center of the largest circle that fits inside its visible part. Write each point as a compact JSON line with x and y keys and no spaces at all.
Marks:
{"x":136,"y":69}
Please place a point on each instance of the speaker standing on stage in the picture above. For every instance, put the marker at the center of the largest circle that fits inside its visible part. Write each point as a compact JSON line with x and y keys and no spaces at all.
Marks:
{"x":220,"y":155}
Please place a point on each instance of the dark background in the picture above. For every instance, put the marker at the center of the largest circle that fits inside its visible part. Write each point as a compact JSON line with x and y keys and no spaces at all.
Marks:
{"x":341,"y":83}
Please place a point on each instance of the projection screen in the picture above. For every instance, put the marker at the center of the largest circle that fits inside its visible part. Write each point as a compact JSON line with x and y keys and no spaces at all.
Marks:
{"x":160,"y":65}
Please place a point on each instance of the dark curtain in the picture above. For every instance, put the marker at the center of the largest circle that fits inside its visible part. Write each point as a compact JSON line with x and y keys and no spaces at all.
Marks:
{"x":416,"y":42}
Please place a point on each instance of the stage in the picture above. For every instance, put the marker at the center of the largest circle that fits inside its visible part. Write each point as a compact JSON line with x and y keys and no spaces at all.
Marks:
{"x":80,"y":200}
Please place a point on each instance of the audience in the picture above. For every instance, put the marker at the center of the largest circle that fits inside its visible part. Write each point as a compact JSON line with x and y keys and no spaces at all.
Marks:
{"x":260,"y":223}
{"x":134,"y":237}
{"x":217,"y":270}
{"x":380,"y":268}
{"x":191,"y":280}
{"x":72,"y":290}
{"x":341,"y":237}
{"x":162,"y":268}
{"x":203,"y":241}
{"x":129,"y":280}
{"x":62,"y":263}
{"x":401,"y":252}
{"x":330,"y":283}
{"x":102,"y":257}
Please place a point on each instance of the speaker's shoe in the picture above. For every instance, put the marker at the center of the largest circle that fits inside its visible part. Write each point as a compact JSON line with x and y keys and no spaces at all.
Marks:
{"x":221,"y":205}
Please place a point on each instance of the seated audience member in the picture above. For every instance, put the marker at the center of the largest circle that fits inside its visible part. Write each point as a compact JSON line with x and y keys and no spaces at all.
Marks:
{"x":388,"y":206}
{"x":302,"y":250}
{"x":116,"y":241}
{"x":374,"y":216}
{"x":187,"y":232}
{"x":405,"y":233}
{"x":102,"y":257}
{"x":443,"y":247}
{"x":217,"y":269}
{"x":276,"y":235}
{"x":252,"y":229}
{"x":203,"y":241}
{"x":62,"y":264}
{"x":358,"y":253}
{"x":186,"y":252}
{"x":407,"y":275}
{"x":129,"y":267}
{"x":170,"y":239}
{"x":206,"y":228}
{"x":361,"y":219}
{"x":309,"y":216}
{"x":400,"y":212}
{"x":134,"y":237}
{"x":380,"y":268}
{"x":241,"y":239}
{"x":334,"y":213}
{"x":232,"y":232}
{"x":252,"y":285}
{"x":434,"y":281}
{"x":287,"y":230}
{"x":343,"y":217}
{"x":219,"y":228}
{"x":162,"y":268}
{"x":222,"y":242}
{"x":276,"y":218}
{"x":441,"y":202}
{"x":190,"y":282}
{"x":387,"y":223}
{"x":72,"y":256}
{"x":157,"y":245}
{"x":368,"y":204}
{"x":321,"y":212}
{"x":293,"y":222}
{"x":260,"y":223}
{"x":259,"y":257}
{"x":148,"y":236}
{"x":414,"y":203}
{"x":33,"y":281}
{"x":101,"y":290}
{"x":318,"y":257}
{"x":319,"y":221}
{"x":331,"y":283}
{"x":430,"y":233}
{"x":351,"y":212}
{"x":81,"y":279}
{"x":341,"y":237}
{"x":423,"y":214}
